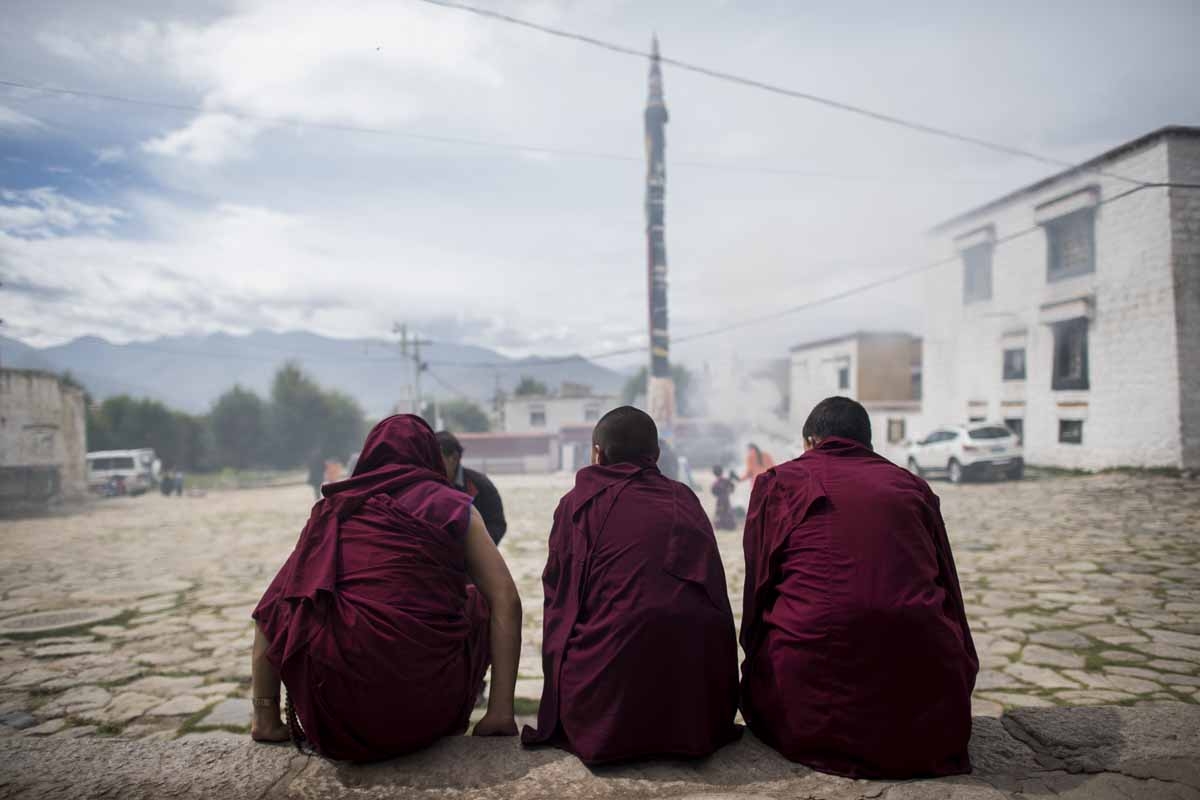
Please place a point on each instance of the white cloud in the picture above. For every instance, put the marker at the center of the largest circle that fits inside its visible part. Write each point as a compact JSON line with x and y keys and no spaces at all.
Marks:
{"x":64,"y":46}
{"x":341,"y":232}
{"x":208,"y":139}
{"x":45,"y":212}
{"x":13,"y":120}
{"x":110,"y":155}
{"x":384,"y":64}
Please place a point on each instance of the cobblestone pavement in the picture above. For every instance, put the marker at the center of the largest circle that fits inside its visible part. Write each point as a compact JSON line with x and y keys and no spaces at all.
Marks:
{"x":1080,"y":590}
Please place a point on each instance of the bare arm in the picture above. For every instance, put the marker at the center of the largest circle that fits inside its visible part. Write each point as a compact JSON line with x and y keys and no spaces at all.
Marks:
{"x":489,"y":572}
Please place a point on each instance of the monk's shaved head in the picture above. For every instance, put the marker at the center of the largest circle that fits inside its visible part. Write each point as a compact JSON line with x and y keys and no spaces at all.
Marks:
{"x":626,"y":435}
{"x":839,"y":416}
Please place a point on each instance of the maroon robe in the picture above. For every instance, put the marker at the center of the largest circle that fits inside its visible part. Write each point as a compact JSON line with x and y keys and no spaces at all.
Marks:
{"x":379,"y":640}
{"x":639,"y":651}
{"x":859,"y":660}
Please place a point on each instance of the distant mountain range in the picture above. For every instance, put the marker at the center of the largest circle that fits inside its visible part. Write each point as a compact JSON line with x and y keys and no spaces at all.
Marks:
{"x":190,"y":372}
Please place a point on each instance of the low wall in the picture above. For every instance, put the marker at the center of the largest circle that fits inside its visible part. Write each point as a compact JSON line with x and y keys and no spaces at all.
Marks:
{"x":1146,"y":752}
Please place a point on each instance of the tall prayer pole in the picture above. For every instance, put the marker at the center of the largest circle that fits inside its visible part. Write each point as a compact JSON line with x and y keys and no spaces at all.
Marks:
{"x":660,"y":388}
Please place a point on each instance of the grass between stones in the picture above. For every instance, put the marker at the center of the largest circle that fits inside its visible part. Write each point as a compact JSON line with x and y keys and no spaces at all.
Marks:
{"x":123,"y":681}
{"x":192,"y":723}
{"x":110,"y":728}
{"x":524,"y":707}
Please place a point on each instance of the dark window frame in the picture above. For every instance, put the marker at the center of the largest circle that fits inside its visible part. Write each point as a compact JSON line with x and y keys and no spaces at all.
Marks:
{"x":1070,"y":335}
{"x":1065,"y":426}
{"x":977,"y":272}
{"x":893,"y":436}
{"x":1010,"y":371}
{"x":1017,"y":426}
{"x":843,"y":377}
{"x":1057,"y":230}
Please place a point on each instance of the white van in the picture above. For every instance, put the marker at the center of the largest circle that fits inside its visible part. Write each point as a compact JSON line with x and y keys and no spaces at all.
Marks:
{"x":138,"y":468}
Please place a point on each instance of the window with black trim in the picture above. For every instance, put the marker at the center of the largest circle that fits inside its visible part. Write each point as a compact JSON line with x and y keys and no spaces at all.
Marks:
{"x":1070,"y":355}
{"x":1071,"y":245}
{"x":1017,"y":426}
{"x":895,"y":430}
{"x":977,"y":273}
{"x":1070,"y":431}
{"x":844,"y":377}
{"x":537,"y":416}
{"x":1014,"y":364}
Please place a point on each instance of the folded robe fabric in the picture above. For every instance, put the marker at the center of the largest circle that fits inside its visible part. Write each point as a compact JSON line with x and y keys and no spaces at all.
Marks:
{"x":639,"y":648}
{"x":859,"y":660}
{"x":377,"y":636}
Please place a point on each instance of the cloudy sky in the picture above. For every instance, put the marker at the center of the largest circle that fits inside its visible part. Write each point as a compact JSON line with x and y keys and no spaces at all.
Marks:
{"x":252,"y":204}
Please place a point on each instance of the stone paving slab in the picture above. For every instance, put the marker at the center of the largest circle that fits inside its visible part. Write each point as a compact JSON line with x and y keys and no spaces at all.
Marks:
{"x":1148,"y":752}
{"x":1070,"y":584}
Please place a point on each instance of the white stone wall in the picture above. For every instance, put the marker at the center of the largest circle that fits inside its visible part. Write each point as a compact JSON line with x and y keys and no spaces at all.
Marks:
{"x":560,"y":412}
{"x":813,"y":376}
{"x":1185,"y":256}
{"x":915,"y":427}
{"x":42,"y":424}
{"x":1131,"y":409}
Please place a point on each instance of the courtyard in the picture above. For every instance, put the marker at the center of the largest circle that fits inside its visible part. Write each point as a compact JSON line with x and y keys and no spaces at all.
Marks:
{"x":1080,"y":591}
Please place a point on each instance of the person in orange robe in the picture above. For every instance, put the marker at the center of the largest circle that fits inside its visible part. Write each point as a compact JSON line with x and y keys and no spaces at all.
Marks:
{"x":757,"y":462}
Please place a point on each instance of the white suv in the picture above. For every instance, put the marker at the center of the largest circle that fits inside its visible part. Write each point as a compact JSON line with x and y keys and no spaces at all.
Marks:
{"x":964,"y":451}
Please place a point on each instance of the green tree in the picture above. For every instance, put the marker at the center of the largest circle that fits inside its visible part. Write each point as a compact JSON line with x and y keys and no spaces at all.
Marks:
{"x":123,"y":423}
{"x":529,"y":385}
{"x":239,"y":423}
{"x":305,"y":419}
{"x":636,"y":385}
{"x":297,"y":409}
{"x":342,"y":427}
{"x":459,"y":416}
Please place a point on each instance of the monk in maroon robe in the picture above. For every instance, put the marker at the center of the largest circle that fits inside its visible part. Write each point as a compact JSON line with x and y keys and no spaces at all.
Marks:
{"x":639,"y":652}
{"x":373,"y":624}
{"x":859,"y":660}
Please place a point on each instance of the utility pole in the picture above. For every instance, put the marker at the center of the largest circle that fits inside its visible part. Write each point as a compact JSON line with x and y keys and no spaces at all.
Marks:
{"x":410,"y":350}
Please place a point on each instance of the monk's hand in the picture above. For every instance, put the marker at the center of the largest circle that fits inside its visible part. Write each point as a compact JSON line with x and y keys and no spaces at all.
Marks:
{"x":496,"y":725}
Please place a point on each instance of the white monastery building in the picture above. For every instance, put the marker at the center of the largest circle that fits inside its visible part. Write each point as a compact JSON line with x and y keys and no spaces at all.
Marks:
{"x":552,"y":413}
{"x":1070,"y":310}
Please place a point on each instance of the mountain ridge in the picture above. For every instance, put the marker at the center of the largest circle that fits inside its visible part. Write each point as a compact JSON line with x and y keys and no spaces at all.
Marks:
{"x":189,"y":372}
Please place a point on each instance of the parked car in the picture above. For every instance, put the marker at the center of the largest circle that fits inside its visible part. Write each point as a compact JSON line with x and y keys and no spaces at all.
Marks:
{"x":960,"y":452}
{"x":137,"y":469}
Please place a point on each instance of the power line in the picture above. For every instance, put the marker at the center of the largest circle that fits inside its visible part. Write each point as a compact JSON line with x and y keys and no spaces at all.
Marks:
{"x":745,"y":323}
{"x":858,"y":289}
{"x":483,"y":143}
{"x":448,"y":386}
{"x":878,"y":116}
{"x":902,"y":274}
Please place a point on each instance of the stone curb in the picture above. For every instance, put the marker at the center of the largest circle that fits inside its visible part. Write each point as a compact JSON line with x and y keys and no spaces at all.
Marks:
{"x":1148,"y":752}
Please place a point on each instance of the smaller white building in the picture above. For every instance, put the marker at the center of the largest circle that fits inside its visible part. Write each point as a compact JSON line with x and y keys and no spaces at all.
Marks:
{"x":1070,"y":310}
{"x":881,"y":370}
{"x":552,"y":413}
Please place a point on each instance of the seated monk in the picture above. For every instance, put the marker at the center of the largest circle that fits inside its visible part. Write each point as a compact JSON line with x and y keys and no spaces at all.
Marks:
{"x":639,"y":651}
{"x":859,"y":660}
{"x":373,"y":624}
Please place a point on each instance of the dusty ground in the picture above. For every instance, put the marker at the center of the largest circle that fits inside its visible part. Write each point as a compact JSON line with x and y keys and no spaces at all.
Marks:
{"x":1080,"y":591}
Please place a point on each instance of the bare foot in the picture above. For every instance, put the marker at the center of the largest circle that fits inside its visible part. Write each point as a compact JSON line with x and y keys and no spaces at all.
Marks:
{"x":274,"y":731}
